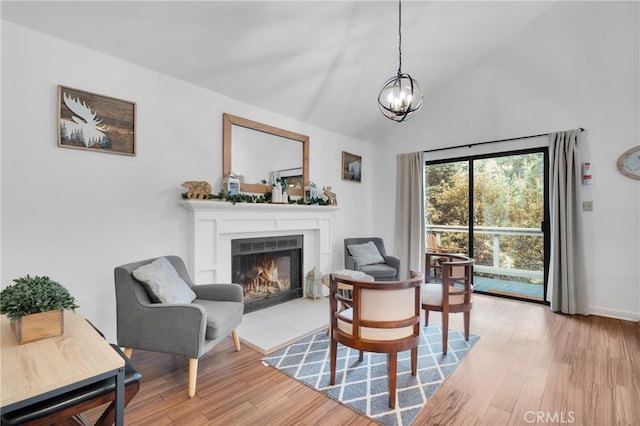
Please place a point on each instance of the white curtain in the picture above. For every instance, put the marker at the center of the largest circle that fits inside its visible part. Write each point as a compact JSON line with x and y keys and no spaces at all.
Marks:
{"x":566,"y":287}
{"x":409,"y":229}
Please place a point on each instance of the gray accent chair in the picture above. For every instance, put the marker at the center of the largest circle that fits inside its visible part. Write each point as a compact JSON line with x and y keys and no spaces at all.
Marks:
{"x":388,"y":271}
{"x":189,"y":330}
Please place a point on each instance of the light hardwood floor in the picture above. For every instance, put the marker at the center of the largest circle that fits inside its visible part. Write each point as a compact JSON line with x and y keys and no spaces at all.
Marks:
{"x":530,"y":366}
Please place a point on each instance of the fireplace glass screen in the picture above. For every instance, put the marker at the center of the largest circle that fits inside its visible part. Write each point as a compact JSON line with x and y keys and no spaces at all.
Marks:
{"x":268,"y":268}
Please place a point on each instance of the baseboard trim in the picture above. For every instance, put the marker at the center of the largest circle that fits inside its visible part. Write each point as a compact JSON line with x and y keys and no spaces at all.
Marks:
{"x":614,"y":313}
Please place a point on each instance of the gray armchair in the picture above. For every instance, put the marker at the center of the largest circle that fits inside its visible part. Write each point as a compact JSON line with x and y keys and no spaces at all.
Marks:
{"x":387,"y":271}
{"x":184,"y":329}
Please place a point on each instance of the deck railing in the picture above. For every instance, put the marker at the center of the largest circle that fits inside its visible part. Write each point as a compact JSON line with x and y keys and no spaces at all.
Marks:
{"x":495,"y":232}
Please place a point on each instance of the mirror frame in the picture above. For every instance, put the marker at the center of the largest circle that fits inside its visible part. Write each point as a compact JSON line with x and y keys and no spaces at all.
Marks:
{"x":229,"y":120}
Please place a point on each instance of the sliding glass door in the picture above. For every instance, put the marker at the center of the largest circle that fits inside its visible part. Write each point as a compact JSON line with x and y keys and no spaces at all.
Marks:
{"x":447,"y":205}
{"x":492,"y":208}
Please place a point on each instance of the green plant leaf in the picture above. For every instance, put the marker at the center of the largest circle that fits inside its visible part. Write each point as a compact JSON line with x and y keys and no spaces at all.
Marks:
{"x":30,"y":295}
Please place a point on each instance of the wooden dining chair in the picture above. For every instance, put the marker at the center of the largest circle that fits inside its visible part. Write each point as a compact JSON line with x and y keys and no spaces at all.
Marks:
{"x":383,"y":317}
{"x":449,"y":290}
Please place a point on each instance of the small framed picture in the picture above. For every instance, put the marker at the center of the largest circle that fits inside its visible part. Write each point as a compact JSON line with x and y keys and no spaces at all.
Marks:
{"x":351,"y":167}
{"x":95,"y":123}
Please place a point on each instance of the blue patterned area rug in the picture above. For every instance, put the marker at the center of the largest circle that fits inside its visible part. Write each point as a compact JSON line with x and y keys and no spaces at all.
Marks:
{"x":363,"y":386}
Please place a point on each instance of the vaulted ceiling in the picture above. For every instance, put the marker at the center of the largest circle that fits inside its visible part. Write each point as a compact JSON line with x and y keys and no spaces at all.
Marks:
{"x":320,"y":62}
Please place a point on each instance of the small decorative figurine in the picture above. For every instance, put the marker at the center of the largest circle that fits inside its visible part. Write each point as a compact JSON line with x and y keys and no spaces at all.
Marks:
{"x":197,"y":190}
{"x":331,"y":196}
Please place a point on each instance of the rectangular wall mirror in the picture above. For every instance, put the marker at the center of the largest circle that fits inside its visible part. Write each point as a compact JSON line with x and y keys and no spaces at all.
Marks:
{"x":257,"y":151}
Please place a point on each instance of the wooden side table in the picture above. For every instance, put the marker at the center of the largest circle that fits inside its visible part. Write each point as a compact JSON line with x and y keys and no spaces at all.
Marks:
{"x":43,"y":369}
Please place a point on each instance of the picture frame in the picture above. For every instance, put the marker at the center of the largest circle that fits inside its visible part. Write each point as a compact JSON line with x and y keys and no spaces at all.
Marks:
{"x":93,"y":122}
{"x":351,"y":167}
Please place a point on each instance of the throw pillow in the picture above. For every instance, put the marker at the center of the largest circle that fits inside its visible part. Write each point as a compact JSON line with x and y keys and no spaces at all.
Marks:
{"x":366,"y":254}
{"x":163,"y":281}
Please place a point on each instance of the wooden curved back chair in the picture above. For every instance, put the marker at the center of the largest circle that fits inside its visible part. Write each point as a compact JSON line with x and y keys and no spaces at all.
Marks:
{"x":382,"y":317}
{"x":452,"y":292}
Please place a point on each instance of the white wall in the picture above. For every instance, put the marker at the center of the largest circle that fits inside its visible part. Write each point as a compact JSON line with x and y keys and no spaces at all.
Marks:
{"x":577,"y":65}
{"x":75,"y":215}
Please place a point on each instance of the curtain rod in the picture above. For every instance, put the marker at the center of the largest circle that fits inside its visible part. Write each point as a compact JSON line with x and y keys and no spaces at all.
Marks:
{"x":487,"y":142}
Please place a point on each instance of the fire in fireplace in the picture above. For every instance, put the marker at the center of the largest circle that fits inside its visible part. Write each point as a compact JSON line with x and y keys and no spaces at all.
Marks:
{"x":268,"y":268}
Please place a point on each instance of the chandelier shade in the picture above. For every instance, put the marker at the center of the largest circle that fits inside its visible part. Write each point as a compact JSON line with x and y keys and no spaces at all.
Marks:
{"x":401,"y":95}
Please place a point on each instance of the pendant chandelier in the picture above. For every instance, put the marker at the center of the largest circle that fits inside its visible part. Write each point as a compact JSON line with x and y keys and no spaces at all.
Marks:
{"x":401,"y":95}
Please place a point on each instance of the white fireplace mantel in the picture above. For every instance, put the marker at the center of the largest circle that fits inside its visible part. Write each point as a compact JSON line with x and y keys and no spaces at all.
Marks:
{"x":213,"y":224}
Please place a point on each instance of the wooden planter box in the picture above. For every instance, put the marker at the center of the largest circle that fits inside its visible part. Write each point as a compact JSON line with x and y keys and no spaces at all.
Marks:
{"x":39,"y":326}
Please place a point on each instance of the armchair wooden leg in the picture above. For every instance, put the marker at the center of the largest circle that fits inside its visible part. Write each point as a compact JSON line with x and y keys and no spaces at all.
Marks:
{"x":392,"y":370}
{"x":128,"y":352}
{"x":334,"y":358}
{"x":467,"y":318}
{"x":414,"y":361}
{"x":236,"y":340}
{"x":193,"y":375}
{"x":445,"y":332}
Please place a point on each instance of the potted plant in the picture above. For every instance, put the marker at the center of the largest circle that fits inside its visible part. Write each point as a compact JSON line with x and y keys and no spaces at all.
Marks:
{"x":35,"y":307}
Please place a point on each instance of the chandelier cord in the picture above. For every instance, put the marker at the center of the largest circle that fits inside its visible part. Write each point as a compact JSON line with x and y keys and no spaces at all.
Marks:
{"x":399,"y":37}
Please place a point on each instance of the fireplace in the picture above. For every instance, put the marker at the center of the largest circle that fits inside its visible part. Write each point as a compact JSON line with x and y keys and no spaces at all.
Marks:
{"x":211,"y":226}
{"x":268,"y":268}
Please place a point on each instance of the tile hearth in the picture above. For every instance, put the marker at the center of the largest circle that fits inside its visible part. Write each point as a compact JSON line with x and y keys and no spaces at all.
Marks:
{"x":277,"y":326}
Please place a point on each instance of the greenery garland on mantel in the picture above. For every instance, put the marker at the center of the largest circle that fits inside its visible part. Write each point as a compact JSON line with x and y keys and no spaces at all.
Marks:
{"x":258,"y":199}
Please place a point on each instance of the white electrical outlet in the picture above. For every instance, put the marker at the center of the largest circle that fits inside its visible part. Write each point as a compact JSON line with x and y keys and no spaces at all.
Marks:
{"x":587,"y":206}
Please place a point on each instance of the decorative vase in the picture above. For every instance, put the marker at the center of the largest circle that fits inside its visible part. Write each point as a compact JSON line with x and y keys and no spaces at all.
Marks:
{"x":39,"y":326}
{"x":276,"y":195}
{"x":285,"y":198}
